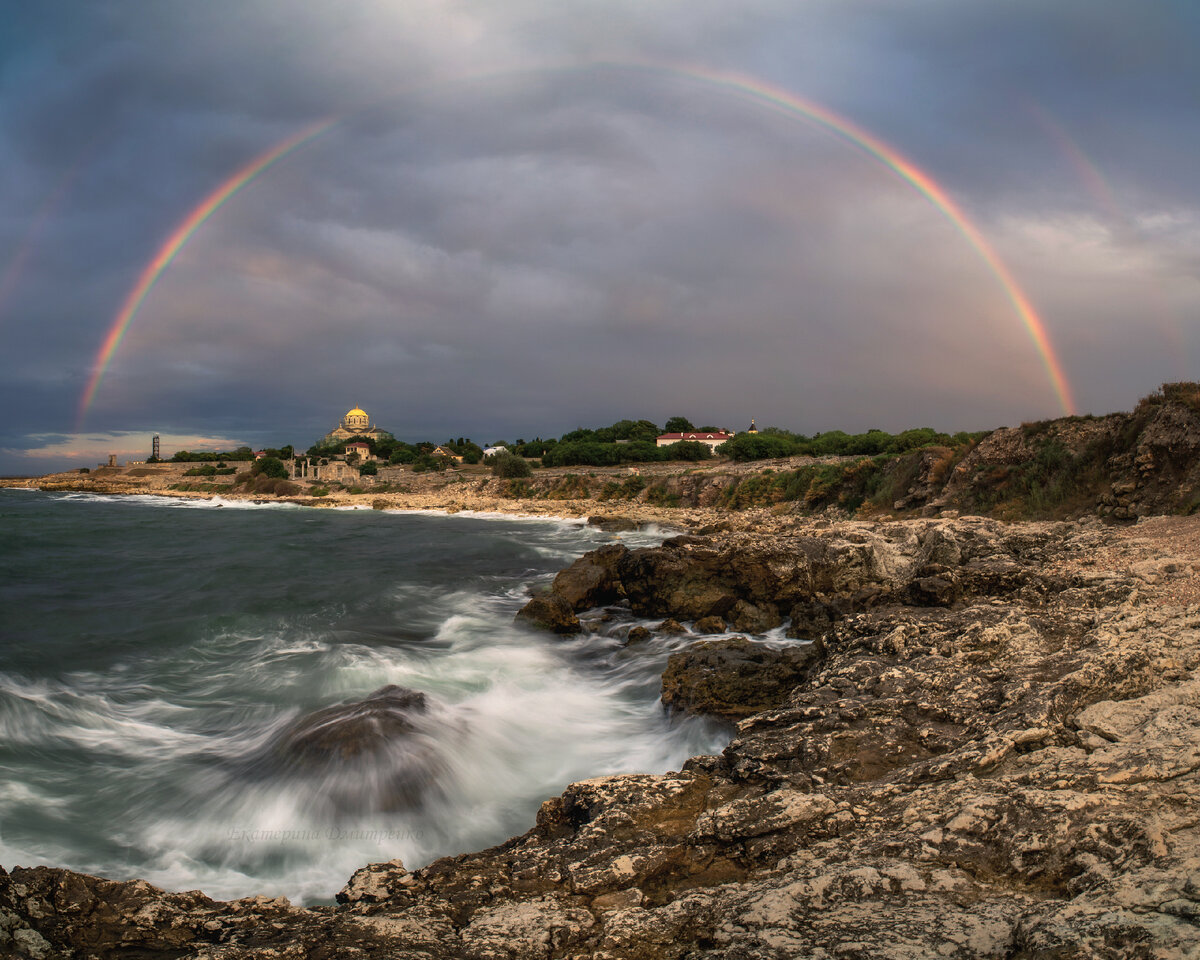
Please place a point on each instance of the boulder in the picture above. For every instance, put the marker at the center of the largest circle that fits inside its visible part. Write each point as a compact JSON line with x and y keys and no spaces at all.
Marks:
{"x":350,"y":729}
{"x":591,"y":581}
{"x":614,"y":524}
{"x":734,"y":678}
{"x":711,"y":625}
{"x":550,"y":612}
{"x":363,"y":756}
{"x":754,"y":618}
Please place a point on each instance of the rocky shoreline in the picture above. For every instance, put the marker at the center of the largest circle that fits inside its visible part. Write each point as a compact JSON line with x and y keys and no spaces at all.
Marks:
{"x":991,"y":749}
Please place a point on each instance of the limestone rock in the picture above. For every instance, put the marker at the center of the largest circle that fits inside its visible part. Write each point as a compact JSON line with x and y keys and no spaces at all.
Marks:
{"x":350,"y":729}
{"x":591,"y":581}
{"x":550,"y":612}
{"x":733,"y":678}
{"x":1010,"y":775}
{"x":374,"y":754}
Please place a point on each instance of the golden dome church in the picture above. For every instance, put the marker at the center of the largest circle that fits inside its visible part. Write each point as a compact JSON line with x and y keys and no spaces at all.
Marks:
{"x":356,"y":423}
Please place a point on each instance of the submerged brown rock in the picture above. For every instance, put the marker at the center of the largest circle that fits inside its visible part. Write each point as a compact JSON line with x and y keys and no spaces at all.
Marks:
{"x":1005,"y":767}
{"x":360,"y":756}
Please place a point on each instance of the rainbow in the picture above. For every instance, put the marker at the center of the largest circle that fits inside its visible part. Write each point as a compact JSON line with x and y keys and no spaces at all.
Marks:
{"x":1102,"y":193}
{"x":1093,"y":179}
{"x":789,"y":104}
{"x":175,"y":242}
{"x":41,"y":218}
{"x":746,"y":88}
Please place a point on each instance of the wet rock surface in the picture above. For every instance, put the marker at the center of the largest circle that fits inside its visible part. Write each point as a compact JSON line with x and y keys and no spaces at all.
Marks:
{"x":1005,"y":767}
{"x":373,"y":754}
{"x":735,"y":678}
{"x":351,"y":729}
{"x":550,"y":612}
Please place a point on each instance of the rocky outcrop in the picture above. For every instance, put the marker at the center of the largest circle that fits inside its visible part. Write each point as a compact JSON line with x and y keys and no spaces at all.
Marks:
{"x":349,"y":730}
{"x":373,"y":754}
{"x":735,"y":678}
{"x":592,"y":580}
{"x":754,"y":582}
{"x":550,"y":612}
{"x":1008,"y":774}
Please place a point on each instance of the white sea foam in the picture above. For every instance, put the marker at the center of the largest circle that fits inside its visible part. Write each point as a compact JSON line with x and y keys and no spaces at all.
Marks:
{"x":153,"y":755}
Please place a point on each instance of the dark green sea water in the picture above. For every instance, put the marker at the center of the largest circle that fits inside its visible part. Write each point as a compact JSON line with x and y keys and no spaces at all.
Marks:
{"x":151,"y":649}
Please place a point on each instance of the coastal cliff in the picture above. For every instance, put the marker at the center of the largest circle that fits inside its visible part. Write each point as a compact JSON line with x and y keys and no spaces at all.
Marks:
{"x":990,"y":749}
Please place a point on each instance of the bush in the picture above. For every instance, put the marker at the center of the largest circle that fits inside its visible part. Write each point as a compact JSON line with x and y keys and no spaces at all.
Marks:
{"x":509,"y":466}
{"x":691,"y":450}
{"x":1185,"y":392}
{"x":369,"y":469}
{"x":760,"y":446}
{"x":319,"y":491}
{"x":269,"y":467}
{"x":85,"y":469}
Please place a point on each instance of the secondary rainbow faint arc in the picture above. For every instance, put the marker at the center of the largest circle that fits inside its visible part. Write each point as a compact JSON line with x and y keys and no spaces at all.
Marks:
{"x":175,"y":242}
{"x":758,"y":91}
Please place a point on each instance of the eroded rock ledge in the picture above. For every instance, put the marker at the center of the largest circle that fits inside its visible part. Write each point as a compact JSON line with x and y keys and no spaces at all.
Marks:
{"x":996,"y":755}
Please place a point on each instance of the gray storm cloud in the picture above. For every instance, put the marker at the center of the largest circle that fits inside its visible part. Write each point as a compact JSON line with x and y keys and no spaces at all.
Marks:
{"x":501,"y":236}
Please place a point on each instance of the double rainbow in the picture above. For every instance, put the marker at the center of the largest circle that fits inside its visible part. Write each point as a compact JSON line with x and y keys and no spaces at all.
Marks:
{"x":747,"y":88}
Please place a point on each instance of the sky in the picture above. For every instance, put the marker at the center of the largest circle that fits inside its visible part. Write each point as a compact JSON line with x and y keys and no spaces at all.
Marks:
{"x":508,"y":218}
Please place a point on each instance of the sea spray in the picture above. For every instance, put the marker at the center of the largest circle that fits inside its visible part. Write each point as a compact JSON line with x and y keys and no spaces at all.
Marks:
{"x":155,"y":649}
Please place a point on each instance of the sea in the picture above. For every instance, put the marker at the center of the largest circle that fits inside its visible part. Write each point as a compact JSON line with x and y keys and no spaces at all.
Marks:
{"x":154,"y":651}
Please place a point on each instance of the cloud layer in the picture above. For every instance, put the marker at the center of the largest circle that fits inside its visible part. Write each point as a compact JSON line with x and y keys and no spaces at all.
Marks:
{"x":529,"y":217}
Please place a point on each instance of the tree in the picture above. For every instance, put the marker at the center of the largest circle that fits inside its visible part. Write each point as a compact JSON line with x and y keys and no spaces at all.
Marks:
{"x":679,"y":425}
{"x":270,"y":467}
{"x":509,"y":465}
{"x":369,"y":469}
{"x":748,"y":446}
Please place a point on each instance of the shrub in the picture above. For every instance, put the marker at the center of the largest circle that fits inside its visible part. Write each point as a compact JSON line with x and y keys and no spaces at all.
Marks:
{"x":269,"y":467}
{"x":319,"y":491}
{"x":85,"y":469}
{"x":760,"y":446}
{"x":369,"y":469}
{"x":1186,"y":393}
{"x":509,"y":466}
{"x":691,"y":450}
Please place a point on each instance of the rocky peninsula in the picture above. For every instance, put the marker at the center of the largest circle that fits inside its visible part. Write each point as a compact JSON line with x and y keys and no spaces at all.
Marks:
{"x":989,"y":747}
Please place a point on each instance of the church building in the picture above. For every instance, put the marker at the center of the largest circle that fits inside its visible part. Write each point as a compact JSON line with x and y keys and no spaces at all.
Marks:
{"x":356,"y":423}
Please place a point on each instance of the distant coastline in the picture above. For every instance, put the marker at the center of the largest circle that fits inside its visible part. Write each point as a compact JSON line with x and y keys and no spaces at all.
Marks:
{"x":464,"y":489}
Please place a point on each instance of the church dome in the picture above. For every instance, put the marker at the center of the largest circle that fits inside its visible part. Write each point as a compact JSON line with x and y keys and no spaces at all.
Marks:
{"x":356,"y":419}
